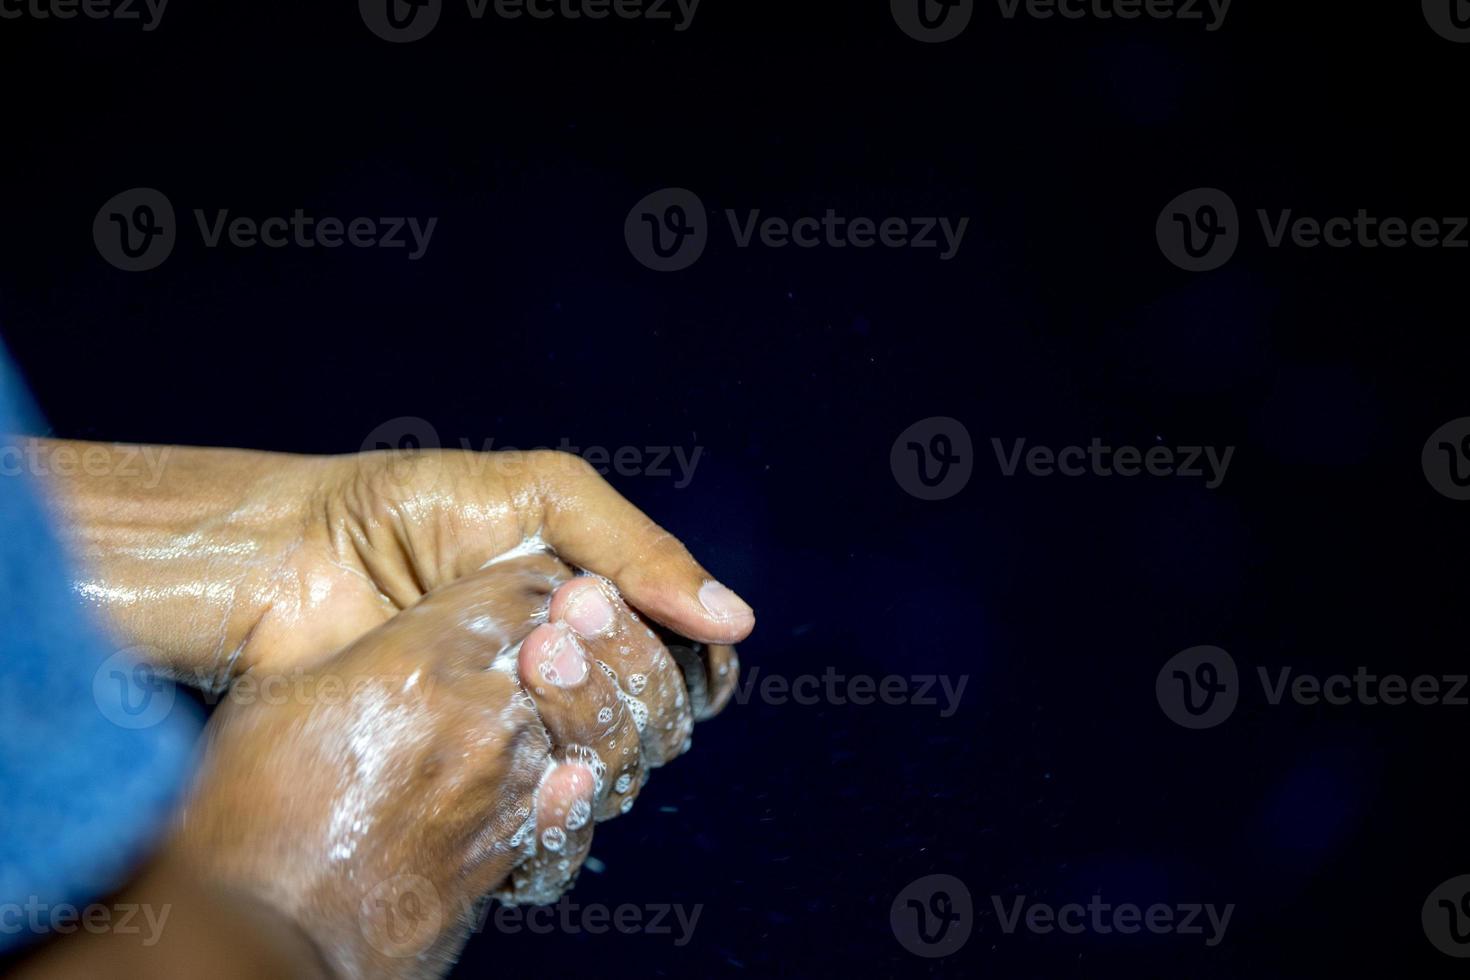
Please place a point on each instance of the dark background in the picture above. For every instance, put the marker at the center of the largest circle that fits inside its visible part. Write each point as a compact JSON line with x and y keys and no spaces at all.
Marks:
{"x":528,"y":322}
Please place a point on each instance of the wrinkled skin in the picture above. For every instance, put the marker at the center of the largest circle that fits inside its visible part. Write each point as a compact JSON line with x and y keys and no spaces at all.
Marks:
{"x":490,"y":714}
{"x":226,"y":560}
{"x":377,"y":819}
{"x":452,"y":766}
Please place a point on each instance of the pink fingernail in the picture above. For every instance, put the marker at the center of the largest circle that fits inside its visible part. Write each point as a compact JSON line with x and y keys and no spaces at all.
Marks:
{"x":723,"y":604}
{"x":563,"y":663}
{"x":589,"y":612}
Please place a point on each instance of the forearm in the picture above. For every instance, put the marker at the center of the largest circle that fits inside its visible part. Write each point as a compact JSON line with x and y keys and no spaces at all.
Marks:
{"x":190,"y":928}
{"x":182,"y":549}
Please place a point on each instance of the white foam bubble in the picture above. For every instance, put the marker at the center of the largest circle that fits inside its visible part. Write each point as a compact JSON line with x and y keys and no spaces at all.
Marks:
{"x":639,"y":711}
{"x":579,"y":814}
{"x":532,"y":545}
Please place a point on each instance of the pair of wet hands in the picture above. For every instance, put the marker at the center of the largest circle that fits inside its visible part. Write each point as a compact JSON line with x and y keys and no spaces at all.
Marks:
{"x":497,"y":703}
{"x":486,"y":730}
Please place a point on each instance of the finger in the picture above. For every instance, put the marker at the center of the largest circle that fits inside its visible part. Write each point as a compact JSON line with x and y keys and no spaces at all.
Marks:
{"x":649,"y":682}
{"x":711,"y":671}
{"x":589,"y":524}
{"x":583,"y":711}
{"x":473,"y":622}
{"x":561,"y":840}
{"x":513,"y":747}
{"x":722,"y":667}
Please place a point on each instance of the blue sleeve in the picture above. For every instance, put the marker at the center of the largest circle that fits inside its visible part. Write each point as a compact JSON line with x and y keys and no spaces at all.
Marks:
{"x":96,"y":748}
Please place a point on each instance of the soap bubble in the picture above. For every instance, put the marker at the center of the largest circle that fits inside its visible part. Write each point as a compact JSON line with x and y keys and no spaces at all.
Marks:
{"x":579,"y":814}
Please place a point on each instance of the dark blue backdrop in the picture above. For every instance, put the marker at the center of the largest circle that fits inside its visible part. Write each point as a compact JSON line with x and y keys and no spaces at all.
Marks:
{"x":528,"y":321}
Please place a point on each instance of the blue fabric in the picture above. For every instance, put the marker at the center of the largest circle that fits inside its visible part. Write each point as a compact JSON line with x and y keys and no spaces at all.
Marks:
{"x":96,"y":750}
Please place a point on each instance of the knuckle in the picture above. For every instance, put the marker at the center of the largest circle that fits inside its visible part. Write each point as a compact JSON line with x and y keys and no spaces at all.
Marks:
{"x":562,"y":465}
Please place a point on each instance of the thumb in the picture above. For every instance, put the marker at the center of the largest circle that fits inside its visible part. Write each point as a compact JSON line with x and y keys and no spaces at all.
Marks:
{"x":589,"y":524}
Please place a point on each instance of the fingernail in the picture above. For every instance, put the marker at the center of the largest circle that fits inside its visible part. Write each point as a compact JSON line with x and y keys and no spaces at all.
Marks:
{"x":721,"y":603}
{"x":589,"y":612}
{"x":564,"y":664}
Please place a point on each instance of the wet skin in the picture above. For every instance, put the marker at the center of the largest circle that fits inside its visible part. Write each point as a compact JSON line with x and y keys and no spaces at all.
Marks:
{"x":494,"y":708}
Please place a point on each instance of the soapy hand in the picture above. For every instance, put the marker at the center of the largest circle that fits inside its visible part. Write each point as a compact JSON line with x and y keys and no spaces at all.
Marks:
{"x":478,"y":736}
{"x":499,"y":704}
{"x":220,"y":561}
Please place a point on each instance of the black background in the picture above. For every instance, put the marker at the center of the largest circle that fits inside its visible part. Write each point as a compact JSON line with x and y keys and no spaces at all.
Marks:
{"x":528,"y":322}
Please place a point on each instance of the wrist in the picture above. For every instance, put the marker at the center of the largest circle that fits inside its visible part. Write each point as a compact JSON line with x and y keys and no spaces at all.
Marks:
{"x":178,"y":547}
